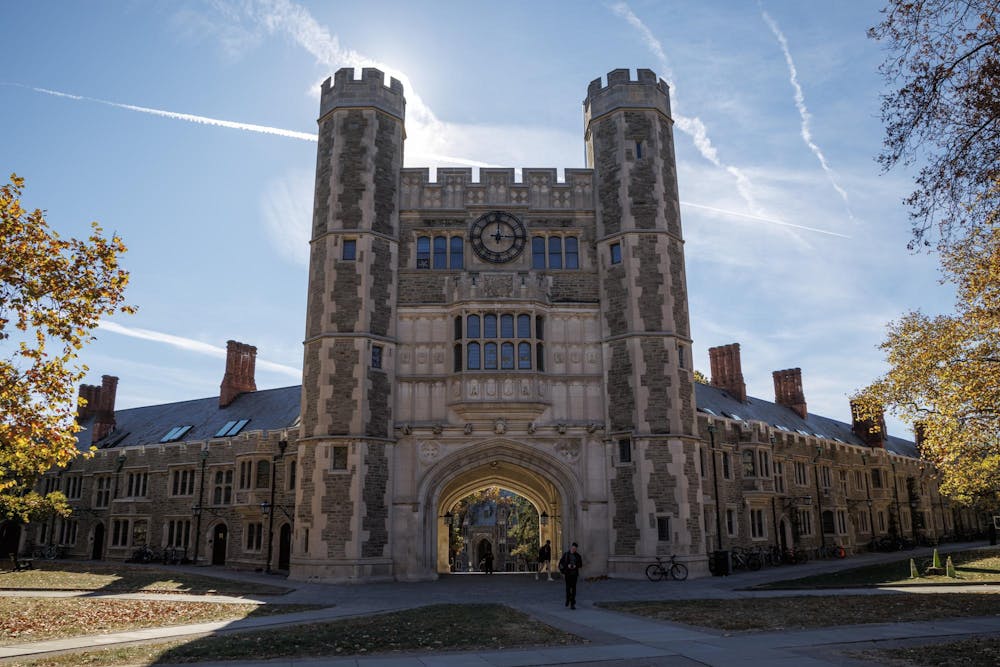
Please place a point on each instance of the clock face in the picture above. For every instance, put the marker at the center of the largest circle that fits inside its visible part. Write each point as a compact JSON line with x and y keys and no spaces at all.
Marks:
{"x":497,"y":237}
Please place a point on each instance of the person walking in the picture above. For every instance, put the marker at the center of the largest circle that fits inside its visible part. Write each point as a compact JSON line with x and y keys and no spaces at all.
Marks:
{"x":570,"y":565}
{"x":545,"y":560}
{"x":488,"y":560}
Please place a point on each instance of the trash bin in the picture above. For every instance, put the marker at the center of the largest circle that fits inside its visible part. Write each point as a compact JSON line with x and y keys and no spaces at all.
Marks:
{"x":720,"y":563}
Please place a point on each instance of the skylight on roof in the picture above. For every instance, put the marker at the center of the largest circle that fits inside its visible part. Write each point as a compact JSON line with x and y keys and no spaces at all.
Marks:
{"x":733,"y":415}
{"x":176,"y":433}
{"x":798,"y":430}
{"x":782,"y":428}
{"x":709,"y":411}
{"x":232,"y":428}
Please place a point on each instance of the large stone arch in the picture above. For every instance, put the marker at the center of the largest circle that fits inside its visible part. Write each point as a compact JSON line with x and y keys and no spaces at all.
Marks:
{"x":539,"y":477}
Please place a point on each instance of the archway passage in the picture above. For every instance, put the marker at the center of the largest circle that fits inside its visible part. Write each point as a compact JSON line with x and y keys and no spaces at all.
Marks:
{"x":97,"y":553}
{"x":459,"y":538}
{"x":220,"y":537}
{"x":284,"y":546}
{"x":10,"y":538}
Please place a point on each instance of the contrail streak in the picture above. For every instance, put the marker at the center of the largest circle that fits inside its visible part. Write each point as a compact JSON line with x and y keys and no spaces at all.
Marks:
{"x":191,"y":345}
{"x":800,"y":104}
{"x":191,"y":118}
{"x":763,"y":219}
{"x":691,"y":126}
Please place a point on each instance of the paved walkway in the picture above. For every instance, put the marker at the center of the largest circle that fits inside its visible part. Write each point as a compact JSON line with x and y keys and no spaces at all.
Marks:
{"x":615,"y":639}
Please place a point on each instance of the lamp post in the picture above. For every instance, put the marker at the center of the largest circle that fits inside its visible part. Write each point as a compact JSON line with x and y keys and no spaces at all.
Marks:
{"x":203,"y":454}
{"x":269,"y":510}
{"x":448,"y":516}
{"x":715,"y":481}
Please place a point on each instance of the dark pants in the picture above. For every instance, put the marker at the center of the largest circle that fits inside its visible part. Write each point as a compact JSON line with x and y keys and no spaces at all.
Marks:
{"x":571,"y":588}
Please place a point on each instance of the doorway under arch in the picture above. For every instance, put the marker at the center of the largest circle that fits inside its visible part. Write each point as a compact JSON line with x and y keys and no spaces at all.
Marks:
{"x":97,"y":551}
{"x":220,"y":543}
{"x":550,"y":488}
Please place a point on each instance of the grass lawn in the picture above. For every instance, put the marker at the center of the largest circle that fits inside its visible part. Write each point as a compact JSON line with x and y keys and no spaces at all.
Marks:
{"x":444,"y":627}
{"x":977,"y":652}
{"x":125,"y":578}
{"x":25,"y":619}
{"x":780,"y":613}
{"x":978,"y":566}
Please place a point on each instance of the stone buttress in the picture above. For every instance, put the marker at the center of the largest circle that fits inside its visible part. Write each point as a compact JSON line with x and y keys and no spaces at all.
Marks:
{"x":654,"y":492}
{"x":342,"y":504}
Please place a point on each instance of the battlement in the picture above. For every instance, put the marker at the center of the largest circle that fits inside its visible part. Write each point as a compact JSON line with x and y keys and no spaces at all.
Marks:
{"x":647,"y":91}
{"x":455,"y":189}
{"x":344,"y":91}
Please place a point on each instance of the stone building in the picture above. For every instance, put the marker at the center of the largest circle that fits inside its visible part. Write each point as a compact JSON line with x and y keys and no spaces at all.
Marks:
{"x":515,"y":331}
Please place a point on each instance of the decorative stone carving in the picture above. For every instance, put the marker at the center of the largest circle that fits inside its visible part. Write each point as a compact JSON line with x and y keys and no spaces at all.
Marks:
{"x":531,"y":427}
{"x":468,"y":429}
{"x":437,"y":428}
{"x":569,"y":450}
{"x":591,"y":427}
{"x":429,"y":451}
{"x":500,"y":426}
{"x":497,"y":285}
{"x":561,"y":427}
{"x":407,"y":429}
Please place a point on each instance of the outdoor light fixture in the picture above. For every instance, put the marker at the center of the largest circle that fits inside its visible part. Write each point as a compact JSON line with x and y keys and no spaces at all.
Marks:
{"x":543,"y":518}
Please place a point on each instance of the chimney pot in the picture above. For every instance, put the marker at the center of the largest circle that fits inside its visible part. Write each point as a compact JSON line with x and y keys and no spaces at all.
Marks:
{"x":241,"y":360}
{"x":788,"y":390}
{"x":727,"y":371}
{"x":103,"y":402}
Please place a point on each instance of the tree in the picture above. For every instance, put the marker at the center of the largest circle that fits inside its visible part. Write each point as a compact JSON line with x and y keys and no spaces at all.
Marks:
{"x":944,"y":373}
{"x":945,"y":57}
{"x":53,"y":293}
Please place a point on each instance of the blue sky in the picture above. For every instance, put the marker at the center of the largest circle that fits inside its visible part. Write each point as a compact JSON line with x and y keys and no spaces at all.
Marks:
{"x":777,"y":112}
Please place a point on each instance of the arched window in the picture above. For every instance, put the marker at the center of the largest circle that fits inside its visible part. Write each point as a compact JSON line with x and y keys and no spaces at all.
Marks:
{"x":473,"y":356}
{"x":490,"y":356}
{"x":458,"y":328}
{"x":524,"y":326}
{"x":538,"y":252}
{"x":424,"y":252}
{"x":524,"y":355}
{"x":472,"y":326}
{"x":457,"y":365}
{"x":555,"y":252}
{"x":572,"y":253}
{"x":539,"y":358}
{"x":456,"y":260}
{"x":490,"y":326}
{"x":440,"y":252}
{"x":539,"y":328}
{"x":506,"y":326}
{"x":507,"y":356}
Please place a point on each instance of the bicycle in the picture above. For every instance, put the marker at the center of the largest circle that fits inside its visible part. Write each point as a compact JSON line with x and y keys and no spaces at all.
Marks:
{"x":671,"y":569}
{"x":743,"y":558}
{"x":47,"y":551}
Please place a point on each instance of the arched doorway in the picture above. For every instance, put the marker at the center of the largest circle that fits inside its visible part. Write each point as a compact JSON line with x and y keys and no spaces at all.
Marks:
{"x":220,"y":537}
{"x":97,"y":552}
{"x":784,"y":534}
{"x":10,"y":538}
{"x":284,"y":546}
{"x":538,"y":477}
{"x":484,"y":548}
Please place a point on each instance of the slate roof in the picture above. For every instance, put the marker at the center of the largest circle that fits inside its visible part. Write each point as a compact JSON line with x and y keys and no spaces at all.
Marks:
{"x":755,"y":409}
{"x":268,"y":409}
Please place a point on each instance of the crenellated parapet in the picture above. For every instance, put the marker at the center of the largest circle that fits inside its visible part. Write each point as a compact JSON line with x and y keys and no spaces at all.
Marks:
{"x":622,"y":92}
{"x":344,"y":91}
{"x":537,"y":189}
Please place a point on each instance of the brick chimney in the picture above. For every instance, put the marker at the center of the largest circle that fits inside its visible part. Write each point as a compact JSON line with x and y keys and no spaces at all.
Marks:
{"x":727,"y":373}
{"x":788,"y":390}
{"x":239,"y":378}
{"x":89,"y":393}
{"x":865,"y":428}
{"x":104,"y":406}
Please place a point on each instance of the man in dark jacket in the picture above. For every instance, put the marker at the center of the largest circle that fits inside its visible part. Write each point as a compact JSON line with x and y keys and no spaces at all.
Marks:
{"x":570,"y":565}
{"x":545,"y":560}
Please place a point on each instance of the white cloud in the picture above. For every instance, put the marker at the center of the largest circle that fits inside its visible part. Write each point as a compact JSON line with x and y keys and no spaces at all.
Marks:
{"x":191,"y":345}
{"x":800,"y":104}
{"x":286,"y":209}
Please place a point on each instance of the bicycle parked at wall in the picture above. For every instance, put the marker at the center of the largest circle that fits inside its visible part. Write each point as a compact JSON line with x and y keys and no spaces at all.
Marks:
{"x":46,"y":551}
{"x":670,"y":569}
{"x":745,"y":559}
{"x":794,"y":556}
{"x":144,"y":554}
{"x":831,"y":551}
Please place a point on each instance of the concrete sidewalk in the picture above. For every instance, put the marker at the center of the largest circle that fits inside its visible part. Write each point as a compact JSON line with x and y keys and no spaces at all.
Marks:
{"x":614,"y":638}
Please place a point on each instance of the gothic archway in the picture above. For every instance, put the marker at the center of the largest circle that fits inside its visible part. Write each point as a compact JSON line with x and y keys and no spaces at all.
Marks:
{"x":539,"y":477}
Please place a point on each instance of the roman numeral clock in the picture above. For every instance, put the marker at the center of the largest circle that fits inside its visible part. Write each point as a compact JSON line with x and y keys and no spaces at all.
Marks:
{"x":498,"y":237}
